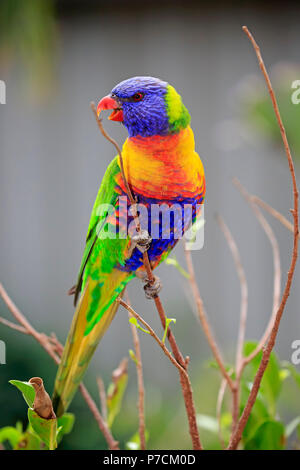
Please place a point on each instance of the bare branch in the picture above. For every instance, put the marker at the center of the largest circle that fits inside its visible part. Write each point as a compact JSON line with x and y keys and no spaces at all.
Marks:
{"x":26,"y":325}
{"x":141,"y":388}
{"x":13,"y":326}
{"x":277,"y":215}
{"x":112,"y":443}
{"x":204,"y":320}
{"x":277,"y":272}
{"x":243,"y":318}
{"x":153,"y":334}
{"x":220,"y":399}
{"x":244,"y":289}
{"x":102,"y":396}
{"x":236,"y":437}
{"x":115,"y":144}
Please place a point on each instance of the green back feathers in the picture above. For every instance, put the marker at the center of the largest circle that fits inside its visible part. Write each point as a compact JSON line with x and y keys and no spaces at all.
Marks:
{"x":179,"y":117}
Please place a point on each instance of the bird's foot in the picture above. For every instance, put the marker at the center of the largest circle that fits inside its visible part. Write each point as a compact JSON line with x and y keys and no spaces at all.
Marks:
{"x":142,"y":240}
{"x":152,"y":288}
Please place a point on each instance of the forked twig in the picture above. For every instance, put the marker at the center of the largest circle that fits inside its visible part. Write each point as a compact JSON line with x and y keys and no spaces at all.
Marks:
{"x":153,"y":334}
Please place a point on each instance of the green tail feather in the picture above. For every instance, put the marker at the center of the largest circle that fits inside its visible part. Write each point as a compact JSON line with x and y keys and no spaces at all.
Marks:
{"x":78,"y":351}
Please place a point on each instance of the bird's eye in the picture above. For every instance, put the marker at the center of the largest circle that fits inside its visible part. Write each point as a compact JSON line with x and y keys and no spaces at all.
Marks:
{"x":138,"y":96}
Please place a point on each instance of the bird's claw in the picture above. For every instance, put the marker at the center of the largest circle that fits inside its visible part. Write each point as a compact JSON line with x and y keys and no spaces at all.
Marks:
{"x":142,"y":240}
{"x":152,"y":288}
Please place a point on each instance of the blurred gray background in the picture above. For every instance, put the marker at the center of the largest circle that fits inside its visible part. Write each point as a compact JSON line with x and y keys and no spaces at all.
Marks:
{"x":53,"y":159}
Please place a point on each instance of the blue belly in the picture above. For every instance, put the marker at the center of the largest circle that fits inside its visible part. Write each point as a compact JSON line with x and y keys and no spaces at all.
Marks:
{"x":165,"y":227}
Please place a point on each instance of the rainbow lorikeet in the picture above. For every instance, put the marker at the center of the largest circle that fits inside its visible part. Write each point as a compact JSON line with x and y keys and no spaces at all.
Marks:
{"x":162,"y":169}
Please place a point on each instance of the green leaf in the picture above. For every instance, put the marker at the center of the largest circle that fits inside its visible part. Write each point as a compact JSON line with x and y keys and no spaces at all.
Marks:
{"x":64,"y":425}
{"x":10,"y":434}
{"x":268,"y":436}
{"x":46,"y":429}
{"x":172,"y":261}
{"x":116,"y":391}
{"x":168,"y":321}
{"x":271,"y":382}
{"x":27,"y":390}
{"x":134,"y":321}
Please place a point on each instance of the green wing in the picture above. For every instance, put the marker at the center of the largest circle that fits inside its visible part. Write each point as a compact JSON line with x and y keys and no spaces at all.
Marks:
{"x":99,"y":284}
{"x":96,"y":246}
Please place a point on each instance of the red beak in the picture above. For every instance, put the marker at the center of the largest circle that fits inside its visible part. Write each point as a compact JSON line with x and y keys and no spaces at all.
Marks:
{"x":109,"y":103}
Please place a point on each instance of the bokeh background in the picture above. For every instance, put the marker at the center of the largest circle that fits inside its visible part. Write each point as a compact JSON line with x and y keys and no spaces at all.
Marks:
{"x":55,"y":58}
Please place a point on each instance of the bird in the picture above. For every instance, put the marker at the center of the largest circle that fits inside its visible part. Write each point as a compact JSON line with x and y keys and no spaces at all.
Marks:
{"x":163,"y":171}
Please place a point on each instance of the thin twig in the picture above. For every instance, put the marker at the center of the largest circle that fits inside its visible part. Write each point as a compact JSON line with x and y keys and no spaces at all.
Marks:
{"x":277,"y":272}
{"x":184,"y":378}
{"x":141,"y":389}
{"x":112,"y":443}
{"x":204,"y":320}
{"x":244,"y":288}
{"x":115,"y":144}
{"x":140,"y":380}
{"x":237,"y":435}
{"x":102,"y":397}
{"x":243,"y":316}
{"x":153,"y":334}
{"x":40,"y":338}
{"x":53,"y":347}
{"x":13,"y":326}
{"x":275,"y":213}
{"x":220,"y":399}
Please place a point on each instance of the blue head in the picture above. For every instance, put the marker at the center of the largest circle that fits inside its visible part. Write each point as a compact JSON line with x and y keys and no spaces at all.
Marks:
{"x":147,"y":106}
